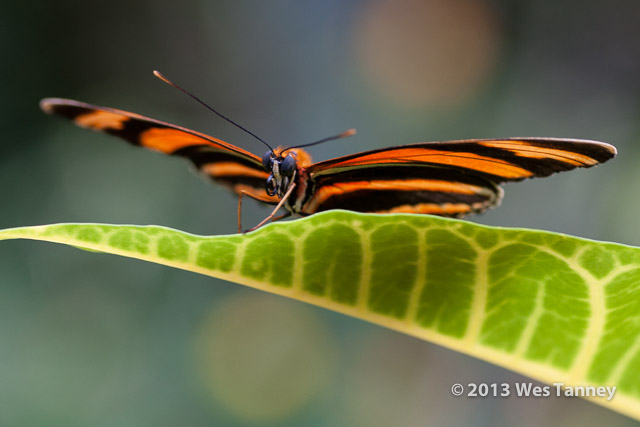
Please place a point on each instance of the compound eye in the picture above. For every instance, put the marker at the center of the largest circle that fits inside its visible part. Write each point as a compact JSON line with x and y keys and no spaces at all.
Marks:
{"x":288,"y":165}
{"x":271,"y":186}
{"x":267,"y":160}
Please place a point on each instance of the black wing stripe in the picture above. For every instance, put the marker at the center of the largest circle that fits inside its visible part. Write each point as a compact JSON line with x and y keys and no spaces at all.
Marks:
{"x":202,"y":155}
{"x":598,"y":151}
{"x":385,"y":200}
{"x":394,"y":172}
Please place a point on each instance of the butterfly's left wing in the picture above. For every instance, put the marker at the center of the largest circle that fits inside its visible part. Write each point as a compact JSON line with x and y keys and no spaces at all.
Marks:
{"x":452,"y":178}
{"x":225,"y":163}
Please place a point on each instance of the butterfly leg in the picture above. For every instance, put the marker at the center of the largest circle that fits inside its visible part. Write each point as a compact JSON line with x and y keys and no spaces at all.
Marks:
{"x":243,"y":193}
{"x":273,"y":213}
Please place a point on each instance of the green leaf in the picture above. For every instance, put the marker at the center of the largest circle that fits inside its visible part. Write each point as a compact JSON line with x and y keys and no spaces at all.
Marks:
{"x":555,"y":308}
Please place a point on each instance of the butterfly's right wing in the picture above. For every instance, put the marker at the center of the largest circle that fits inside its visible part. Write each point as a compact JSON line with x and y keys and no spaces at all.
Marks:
{"x":449,"y":178}
{"x":225,"y":163}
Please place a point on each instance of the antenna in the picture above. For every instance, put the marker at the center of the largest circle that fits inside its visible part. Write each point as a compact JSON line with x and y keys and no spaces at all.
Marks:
{"x":345,"y":134}
{"x":159,"y":75}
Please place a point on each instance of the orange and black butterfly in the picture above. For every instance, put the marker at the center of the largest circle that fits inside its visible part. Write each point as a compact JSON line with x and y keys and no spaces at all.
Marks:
{"x":452,"y":178}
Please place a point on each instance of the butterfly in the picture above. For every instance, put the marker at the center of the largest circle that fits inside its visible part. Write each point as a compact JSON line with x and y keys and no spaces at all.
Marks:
{"x":450,"y":178}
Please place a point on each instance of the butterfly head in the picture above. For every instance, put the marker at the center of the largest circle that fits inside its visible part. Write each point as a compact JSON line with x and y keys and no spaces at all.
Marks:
{"x":283,"y":170}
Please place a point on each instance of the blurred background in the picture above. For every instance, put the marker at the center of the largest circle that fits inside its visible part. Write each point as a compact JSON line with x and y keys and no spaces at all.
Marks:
{"x":90,"y":339}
